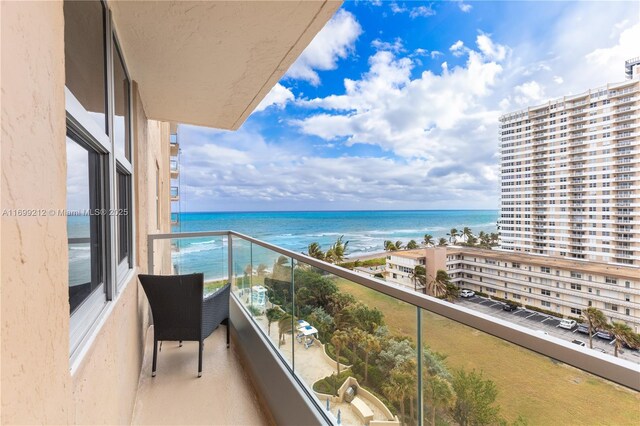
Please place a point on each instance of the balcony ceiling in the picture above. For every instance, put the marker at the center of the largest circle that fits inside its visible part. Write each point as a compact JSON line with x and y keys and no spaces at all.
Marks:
{"x":211,"y":63}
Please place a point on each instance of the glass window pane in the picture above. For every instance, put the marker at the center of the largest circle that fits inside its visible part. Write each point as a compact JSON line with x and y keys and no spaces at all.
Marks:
{"x":84,"y":51}
{"x":83,"y":229}
{"x":121,"y":119}
{"x":123,"y":211}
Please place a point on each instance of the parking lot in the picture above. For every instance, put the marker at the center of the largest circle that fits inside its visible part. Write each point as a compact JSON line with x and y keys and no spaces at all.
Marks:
{"x":544,"y":323}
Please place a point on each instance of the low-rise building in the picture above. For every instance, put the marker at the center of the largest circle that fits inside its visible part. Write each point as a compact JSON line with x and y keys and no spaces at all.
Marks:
{"x":563,"y":286}
{"x":401,"y":265}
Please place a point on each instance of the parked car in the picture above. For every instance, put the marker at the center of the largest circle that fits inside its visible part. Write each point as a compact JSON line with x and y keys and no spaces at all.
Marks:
{"x":583,"y":328}
{"x":467,"y":293}
{"x":603,"y":334}
{"x":579,"y":342}
{"x":510,"y":306}
{"x":567,"y":323}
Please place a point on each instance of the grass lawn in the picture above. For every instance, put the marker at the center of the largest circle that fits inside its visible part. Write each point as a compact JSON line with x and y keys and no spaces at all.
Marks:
{"x":538,"y":388}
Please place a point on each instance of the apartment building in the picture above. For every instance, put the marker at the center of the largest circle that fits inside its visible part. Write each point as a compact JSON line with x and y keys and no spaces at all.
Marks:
{"x":571,"y":175}
{"x":174,"y":167}
{"x":564,"y":286}
{"x":89,"y":92}
{"x":400,"y":267}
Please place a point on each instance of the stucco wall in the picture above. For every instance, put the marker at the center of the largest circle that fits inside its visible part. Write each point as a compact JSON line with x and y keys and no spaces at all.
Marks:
{"x":37,"y":385}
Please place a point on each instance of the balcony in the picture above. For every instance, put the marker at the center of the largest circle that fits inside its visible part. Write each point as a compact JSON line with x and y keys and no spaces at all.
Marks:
{"x":175,"y":193}
{"x":293,"y":373}
{"x":174,"y":147}
{"x":174,"y":168}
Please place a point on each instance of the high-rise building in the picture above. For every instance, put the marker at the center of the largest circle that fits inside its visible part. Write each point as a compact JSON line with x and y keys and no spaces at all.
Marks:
{"x":571,"y":175}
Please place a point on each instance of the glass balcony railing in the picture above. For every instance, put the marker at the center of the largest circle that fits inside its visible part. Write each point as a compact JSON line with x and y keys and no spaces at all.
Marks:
{"x":366,"y":351}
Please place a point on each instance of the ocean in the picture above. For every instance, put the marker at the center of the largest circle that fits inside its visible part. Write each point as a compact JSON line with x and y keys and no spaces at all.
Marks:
{"x":365,"y":231}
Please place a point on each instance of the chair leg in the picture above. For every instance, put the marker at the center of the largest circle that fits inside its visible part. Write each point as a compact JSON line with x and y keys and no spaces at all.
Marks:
{"x":227,"y":334}
{"x":155,"y":357}
{"x":200,"y":359}
{"x":180,"y":344}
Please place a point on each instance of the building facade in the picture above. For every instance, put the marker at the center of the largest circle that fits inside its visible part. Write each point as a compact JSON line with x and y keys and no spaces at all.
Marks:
{"x":570,"y":175}
{"x":401,"y":265}
{"x":562,"y":286}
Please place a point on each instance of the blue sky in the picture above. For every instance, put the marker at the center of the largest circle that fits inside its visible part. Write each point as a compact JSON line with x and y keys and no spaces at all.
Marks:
{"x":395,"y":105}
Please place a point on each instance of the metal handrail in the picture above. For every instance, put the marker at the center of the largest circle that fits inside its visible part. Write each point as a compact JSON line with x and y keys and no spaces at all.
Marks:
{"x":620,"y":371}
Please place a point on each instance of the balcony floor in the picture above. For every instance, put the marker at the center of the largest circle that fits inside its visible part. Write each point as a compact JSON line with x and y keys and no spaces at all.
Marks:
{"x":222,"y":396}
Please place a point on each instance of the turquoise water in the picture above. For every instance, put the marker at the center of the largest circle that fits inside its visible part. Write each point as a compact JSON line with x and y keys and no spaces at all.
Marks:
{"x":365,"y":231}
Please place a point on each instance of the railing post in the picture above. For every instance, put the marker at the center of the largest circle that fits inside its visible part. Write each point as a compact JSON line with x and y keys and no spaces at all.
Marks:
{"x":420,"y":361}
{"x":230,"y":258}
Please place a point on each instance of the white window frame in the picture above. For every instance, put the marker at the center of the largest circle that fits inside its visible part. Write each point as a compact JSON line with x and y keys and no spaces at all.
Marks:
{"x":91,"y":314}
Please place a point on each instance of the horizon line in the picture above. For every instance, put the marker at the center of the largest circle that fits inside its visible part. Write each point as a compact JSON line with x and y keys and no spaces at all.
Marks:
{"x":335,"y":211}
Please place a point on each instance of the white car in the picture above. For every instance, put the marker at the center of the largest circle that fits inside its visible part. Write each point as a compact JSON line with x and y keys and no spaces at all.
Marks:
{"x":567,"y":323}
{"x":467,"y":293}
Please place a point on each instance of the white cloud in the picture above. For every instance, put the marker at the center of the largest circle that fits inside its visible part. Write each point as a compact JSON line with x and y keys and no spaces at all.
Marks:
{"x":557,"y":79}
{"x":279,"y":96}
{"x":335,"y":41}
{"x":457,"y":48}
{"x":396,"y":46}
{"x":395,"y":8}
{"x":628,"y":42}
{"x":466,"y":8}
{"x":529,"y":92}
{"x":422,"y":11}
{"x":490,"y":49}
{"x":434,"y":117}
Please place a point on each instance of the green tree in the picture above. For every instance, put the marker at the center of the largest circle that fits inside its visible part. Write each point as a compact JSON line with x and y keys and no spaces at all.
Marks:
{"x":411,"y":245}
{"x":595,"y":319}
{"x":356,"y":336}
{"x":369,"y":344}
{"x":442,"y":242}
{"x":466,"y":233}
{"x":285,"y":325}
{"x":419,"y":277}
{"x":439,"y":394}
{"x":339,"y":340}
{"x":314,"y":250}
{"x":273,"y":315}
{"x":389,"y":246}
{"x":441,"y":286}
{"x":400,"y":386}
{"x":622,"y":333}
{"x":494,"y":238}
{"x":322,"y":321}
{"x":428,"y":240}
{"x":472,"y":241}
{"x":475,"y":402}
{"x":399,"y":244}
{"x":337,"y":251}
{"x":452,"y":235}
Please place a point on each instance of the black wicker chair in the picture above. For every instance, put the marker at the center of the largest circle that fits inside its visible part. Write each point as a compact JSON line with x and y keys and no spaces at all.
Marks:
{"x":180,"y":313}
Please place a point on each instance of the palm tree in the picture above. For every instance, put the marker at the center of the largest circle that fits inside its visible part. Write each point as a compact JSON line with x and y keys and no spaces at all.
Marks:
{"x":389,"y":246}
{"x":595,"y":319}
{"x":370,"y":344}
{"x":428,"y":240}
{"x":273,"y":315}
{"x":339,"y":340}
{"x":315,"y":251}
{"x":357,"y":336}
{"x":440,"y":393}
{"x":285,"y":325}
{"x":494,"y":237}
{"x":398,"y":245}
{"x":261,"y":269}
{"x":412,"y":245}
{"x":442,"y":242}
{"x":622,"y":333}
{"x":441,"y":287}
{"x":452,"y":235}
{"x":397,"y":388}
{"x":466,"y":233}
{"x":337,"y":251}
{"x":419,"y":276}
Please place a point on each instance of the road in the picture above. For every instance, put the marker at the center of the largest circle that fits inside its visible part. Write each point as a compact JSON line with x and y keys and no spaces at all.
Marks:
{"x":545,"y":323}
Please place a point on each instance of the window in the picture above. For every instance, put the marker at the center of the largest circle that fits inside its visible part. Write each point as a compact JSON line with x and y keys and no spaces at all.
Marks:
{"x":545,"y":303}
{"x":100,"y":171}
{"x":545,"y":269}
{"x":576,"y":311}
{"x":610,"y":280}
{"x":576,"y":286}
{"x":545,"y":292}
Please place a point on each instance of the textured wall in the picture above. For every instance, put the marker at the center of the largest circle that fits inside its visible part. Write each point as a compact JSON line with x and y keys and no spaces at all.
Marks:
{"x":34,"y":295}
{"x":37,"y":386}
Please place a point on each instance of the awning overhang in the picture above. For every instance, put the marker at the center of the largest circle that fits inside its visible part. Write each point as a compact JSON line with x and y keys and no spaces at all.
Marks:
{"x":210,"y":63}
